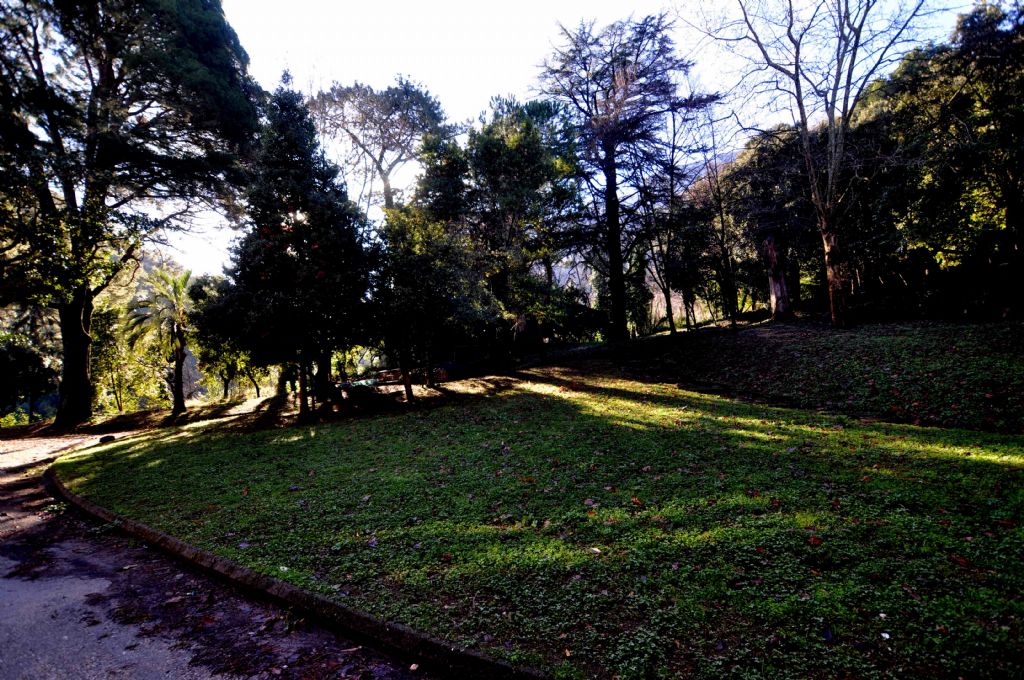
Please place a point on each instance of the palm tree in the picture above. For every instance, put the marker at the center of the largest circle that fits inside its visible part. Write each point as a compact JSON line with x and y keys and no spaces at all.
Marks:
{"x":163,"y":314}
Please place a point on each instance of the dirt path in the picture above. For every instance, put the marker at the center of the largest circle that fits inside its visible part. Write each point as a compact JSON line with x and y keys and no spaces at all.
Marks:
{"x":78,"y":600}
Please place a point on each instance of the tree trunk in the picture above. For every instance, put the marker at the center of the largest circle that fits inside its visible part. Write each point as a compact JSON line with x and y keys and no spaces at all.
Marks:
{"x":226,"y":381}
{"x":793,"y":282}
{"x":303,"y":396}
{"x":669,"y":314}
{"x":778,"y":293}
{"x":836,"y":272}
{"x":613,"y":244}
{"x":428,"y":380}
{"x":255,"y":384}
{"x":115,"y":388}
{"x":549,"y":273}
{"x":389,"y":194}
{"x":178,"y":388}
{"x":687,"y":308}
{"x":75,"y":404}
{"x":322,"y":379}
{"x":403,"y":367}
{"x":282,"y":381}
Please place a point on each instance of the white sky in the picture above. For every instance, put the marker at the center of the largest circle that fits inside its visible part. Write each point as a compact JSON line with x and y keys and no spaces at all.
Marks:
{"x":463,"y":51}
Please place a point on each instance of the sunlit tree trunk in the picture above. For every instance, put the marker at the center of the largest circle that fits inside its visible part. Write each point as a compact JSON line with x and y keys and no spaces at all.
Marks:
{"x":835,"y":270}
{"x":778,"y":292}
{"x":303,"y":390}
{"x":255,"y":384}
{"x":403,"y":368}
{"x":322,"y":379}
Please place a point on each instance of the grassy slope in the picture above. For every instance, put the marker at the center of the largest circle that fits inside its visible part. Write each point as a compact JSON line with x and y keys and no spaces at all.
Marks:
{"x":605,"y":527}
{"x":955,"y":375}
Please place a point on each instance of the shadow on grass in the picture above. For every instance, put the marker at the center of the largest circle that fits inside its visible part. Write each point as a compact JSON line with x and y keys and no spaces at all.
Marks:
{"x":637,"y":525}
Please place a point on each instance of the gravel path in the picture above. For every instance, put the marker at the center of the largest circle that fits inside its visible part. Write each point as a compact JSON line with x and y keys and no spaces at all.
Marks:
{"x":78,"y":600}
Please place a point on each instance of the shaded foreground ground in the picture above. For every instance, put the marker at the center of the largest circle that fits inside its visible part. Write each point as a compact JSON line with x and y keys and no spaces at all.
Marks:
{"x":79,"y":601}
{"x":602,"y":526}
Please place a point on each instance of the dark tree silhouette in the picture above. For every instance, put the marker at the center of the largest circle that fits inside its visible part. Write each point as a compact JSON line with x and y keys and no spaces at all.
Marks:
{"x":107,"y":108}
{"x":617,"y":85}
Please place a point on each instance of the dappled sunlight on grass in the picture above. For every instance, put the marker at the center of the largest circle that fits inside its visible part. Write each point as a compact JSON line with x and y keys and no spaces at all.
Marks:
{"x":560,"y":510}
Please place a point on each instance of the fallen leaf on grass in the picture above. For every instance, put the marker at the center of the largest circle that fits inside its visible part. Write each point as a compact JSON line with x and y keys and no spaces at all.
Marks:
{"x":960,"y":560}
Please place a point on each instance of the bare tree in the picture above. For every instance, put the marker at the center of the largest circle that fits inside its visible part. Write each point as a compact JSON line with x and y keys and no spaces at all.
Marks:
{"x":815,"y":60}
{"x":381,"y":129}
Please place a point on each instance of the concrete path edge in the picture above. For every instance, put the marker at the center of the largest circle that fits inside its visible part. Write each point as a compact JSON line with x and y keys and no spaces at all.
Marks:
{"x":437,"y":656}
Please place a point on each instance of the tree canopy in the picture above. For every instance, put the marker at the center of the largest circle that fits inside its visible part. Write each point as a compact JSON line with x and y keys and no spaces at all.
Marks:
{"x":116,"y":120}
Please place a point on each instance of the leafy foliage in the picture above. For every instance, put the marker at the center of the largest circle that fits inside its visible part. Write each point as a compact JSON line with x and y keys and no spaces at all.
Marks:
{"x":299,"y":275}
{"x":162,"y":314}
{"x":105,"y":110}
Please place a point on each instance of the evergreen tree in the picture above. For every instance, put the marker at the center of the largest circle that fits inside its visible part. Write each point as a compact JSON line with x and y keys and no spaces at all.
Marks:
{"x":618,"y":84}
{"x":300,"y":273}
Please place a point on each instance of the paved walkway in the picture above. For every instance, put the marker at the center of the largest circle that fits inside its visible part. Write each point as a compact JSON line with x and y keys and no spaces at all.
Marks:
{"x":78,"y":600}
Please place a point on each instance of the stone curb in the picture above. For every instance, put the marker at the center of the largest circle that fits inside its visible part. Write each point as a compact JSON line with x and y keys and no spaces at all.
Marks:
{"x":434,"y":655}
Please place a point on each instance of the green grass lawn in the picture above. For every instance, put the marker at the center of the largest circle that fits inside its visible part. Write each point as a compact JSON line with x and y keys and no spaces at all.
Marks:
{"x":928,"y":373}
{"x":599,"y":526}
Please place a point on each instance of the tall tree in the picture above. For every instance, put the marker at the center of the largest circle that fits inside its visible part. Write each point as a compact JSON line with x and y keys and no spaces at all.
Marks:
{"x":383,"y":129}
{"x":617,"y":85}
{"x":521,"y":196}
{"x":116,"y":117}
{"x":300,"y":273}
{"x":957,"y":113}
{"x":816,"y":60}
{"x":162,"y":313}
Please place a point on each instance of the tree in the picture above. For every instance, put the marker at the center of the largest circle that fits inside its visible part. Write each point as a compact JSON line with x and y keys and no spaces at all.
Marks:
{"x":116,"y":118}
{"x":431,"y":291}
{"x":660,"y":187}
{"x":383,"y":128}
{"x":817,"y":60}
{"x":955,"y":114}
{"x":28,"y":359}
{"x":617,"y":86}
{"x":217,"y":346}
{"x":771,"y":205}
{"x":162,"y":313}
{"x":521,"y":194}
{"x":300,"y":274}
